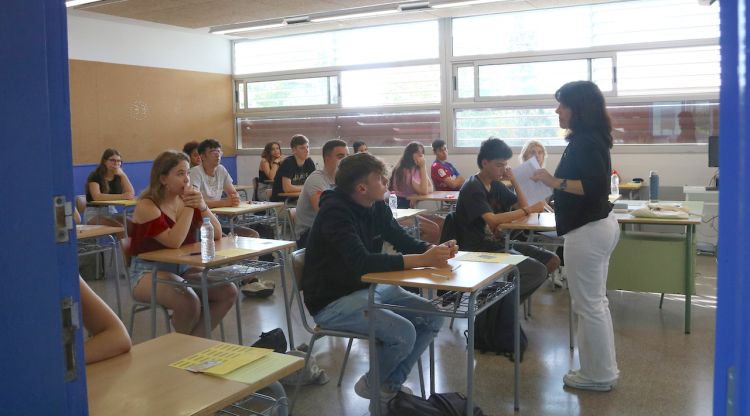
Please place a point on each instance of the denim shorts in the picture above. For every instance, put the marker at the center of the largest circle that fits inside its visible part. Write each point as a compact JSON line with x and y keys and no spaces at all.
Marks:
{"x":138,"y":267}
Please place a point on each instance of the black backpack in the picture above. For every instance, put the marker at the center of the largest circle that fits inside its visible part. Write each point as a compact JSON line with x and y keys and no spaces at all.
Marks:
{"x":493,"y":329}
{"x":439,"y":404}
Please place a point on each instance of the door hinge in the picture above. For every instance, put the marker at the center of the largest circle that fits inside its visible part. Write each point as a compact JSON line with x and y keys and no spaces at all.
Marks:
{"x":70,"y":324}
{"x":63,"y":212}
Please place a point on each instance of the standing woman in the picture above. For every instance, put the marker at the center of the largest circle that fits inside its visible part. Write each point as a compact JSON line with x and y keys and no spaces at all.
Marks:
{"x":270,"y":160}
{"x":410,"y":178}
{"x":584,"y":216}
{"x":108,"y":182}
{"x":169,"y":214}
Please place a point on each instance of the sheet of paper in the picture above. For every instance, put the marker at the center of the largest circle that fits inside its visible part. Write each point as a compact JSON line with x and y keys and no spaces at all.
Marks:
{"x":484,"y":257}
{"x":231,"y":252}
{"x":220,"y":359}
{"x":534,"y":191}
{"x":259,"y":369}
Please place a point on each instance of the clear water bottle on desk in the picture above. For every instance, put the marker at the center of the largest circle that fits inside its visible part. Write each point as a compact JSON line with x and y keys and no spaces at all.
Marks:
{"x":393,"y":203}
{"x":208,"y":248}
{"x":615,"y":184}
{"x":653,"y":185}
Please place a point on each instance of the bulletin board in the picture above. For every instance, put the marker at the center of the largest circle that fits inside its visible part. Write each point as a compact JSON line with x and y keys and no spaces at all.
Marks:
{"x":141,"y":111}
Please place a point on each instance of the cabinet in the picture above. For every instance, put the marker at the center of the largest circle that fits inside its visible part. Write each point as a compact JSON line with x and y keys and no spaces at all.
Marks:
{"x":707,"y":231}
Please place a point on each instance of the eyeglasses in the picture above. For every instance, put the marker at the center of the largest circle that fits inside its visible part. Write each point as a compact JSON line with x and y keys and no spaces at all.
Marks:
{"x":113,"y":160}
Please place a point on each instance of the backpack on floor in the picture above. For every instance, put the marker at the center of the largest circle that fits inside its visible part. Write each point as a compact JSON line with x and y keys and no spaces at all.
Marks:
{"x":493,"y":330}
{"x":439,"y":404}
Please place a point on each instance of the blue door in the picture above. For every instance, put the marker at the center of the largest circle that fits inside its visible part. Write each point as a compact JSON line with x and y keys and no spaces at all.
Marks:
{"x":38,"y":274}
{"x":732,"y":360}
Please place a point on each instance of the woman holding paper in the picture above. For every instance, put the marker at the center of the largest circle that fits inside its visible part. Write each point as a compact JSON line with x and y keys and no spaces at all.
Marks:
{"x":583,"y":215}
{"x":168,"y":214}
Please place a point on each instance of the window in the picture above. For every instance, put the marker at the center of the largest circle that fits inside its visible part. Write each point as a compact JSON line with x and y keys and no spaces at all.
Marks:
{"x":377,"y":129}
{"x":292,"y":92}
{"x":595,"y":25}
{"x":540,"y":78}
{"x":514,"y":126}
{"x":669,"y":71}
{"x":390,"y":86}
{"x":391,"y":43}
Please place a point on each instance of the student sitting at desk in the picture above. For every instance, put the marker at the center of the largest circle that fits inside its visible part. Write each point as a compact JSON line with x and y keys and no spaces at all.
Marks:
{"x":484,"y":203}
{"x":444,"y":175}
{"x":294,"y":170}
{"x":214,"y":181}
{"x":108,"y":182}
{"x":359,"y":146}
{"x":191,"y":149}
{"x":346,"y":242}
{"x":168,"y":214}
{"x":270,"y":161}
{"x":319,"y":181}
{"x":107,"y":335}
{"x":410,"y":178}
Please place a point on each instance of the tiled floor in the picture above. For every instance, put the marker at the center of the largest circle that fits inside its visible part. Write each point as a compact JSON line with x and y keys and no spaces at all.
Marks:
{"x":663,"y":370}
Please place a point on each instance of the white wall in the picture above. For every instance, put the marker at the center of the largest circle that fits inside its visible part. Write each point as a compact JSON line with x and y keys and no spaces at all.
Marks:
{"x":101,"y":38}
{"x":675,"y":169}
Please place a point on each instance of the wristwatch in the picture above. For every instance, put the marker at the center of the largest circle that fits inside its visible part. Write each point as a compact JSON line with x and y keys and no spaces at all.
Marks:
{"x":563,"y":185}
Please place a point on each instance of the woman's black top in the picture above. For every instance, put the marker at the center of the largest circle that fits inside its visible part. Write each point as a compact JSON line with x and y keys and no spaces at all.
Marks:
{"x":115,"y":185}
{"x":586,"y":159}
{"x":262,"y":177}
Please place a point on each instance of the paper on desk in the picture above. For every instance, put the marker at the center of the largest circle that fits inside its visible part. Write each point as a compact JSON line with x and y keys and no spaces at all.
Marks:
{"x":220,"y":359}
{"x":231,"y":252}
{"x":484,"y":257}
{"x":259,"y":369}
{"x":534,"y":191}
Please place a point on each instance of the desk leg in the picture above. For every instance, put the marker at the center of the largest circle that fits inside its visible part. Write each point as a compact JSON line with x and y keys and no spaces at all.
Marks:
{"x":205,"y":305}
{"x":516,"y":341}
{"x":238,"y":314}
{"x":116,"y":253}
{"x":374,"y":373}
{"x":416,"y":227}
{"x":282,"y":263}
{"x":283,"y":404}
{"x":470,"y":315}
{"x":153,"y":300}
{"x":231,"y":225}
{"x":689,"y":256}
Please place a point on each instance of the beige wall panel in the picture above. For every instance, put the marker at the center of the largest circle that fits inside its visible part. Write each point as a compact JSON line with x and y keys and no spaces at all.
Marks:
{"x":142,"y":111}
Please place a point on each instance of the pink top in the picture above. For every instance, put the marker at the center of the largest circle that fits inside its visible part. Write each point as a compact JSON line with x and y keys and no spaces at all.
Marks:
{"x":405,"y":188}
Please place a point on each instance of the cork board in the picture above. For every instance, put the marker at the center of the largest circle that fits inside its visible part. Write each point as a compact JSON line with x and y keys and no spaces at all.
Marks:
{"x":142,"y":111}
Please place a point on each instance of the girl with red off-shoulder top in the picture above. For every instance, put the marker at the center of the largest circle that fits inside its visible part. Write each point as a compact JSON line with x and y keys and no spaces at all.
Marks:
{"x":168,"y":214}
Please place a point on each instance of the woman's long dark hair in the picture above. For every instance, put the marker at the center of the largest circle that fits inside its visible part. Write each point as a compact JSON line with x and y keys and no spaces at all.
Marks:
{"x":406,"y":162}
{"x":588,"y":110}
{"x":101,"y":170}
{"x":268,"y":150}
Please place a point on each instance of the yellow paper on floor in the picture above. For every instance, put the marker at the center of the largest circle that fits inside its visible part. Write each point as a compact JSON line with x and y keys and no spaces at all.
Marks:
{"x":260,"y":369}
{"x":220,"y":359}
{"x":484,"y":257}
{"x":232,"y":252}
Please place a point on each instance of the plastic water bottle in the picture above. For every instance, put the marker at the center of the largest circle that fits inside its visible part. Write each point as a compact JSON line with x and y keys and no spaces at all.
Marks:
{"x":653,"y":185}
{"x":393,"y":202}
{"x":208,"y":249}
{"x":615,"y":184}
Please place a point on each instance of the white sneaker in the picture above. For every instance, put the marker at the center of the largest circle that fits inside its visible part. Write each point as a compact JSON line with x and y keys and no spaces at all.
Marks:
{"x":574,"y":380}
{"x":362,"y":388}
{"x":557,"y":278}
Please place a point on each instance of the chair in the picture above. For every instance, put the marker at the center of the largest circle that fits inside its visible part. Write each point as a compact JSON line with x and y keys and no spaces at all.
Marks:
{"x":298,"y":265}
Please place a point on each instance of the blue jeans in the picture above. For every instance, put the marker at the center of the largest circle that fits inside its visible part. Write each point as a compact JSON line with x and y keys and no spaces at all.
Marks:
{"x":402,"y":337}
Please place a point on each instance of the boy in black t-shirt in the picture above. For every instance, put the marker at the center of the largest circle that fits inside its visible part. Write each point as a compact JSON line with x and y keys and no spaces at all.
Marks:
{"x":484,"y":203}
{"x":294,"y":170}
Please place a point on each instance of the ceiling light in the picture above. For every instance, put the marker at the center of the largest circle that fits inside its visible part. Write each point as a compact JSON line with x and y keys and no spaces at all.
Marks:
{"x":354,"y":15}
{"x":297,"y":19}
{"x":245,"y":28}
{"x":417,"y":5}
{"x":463,"y":3}
{"x":73,"y":3}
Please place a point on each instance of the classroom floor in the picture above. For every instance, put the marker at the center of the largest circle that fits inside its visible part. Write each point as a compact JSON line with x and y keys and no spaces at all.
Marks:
{"x":663,"y":371}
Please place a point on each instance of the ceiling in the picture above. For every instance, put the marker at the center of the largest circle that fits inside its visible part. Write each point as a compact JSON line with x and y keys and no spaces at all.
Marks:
{"x":203,"y":14}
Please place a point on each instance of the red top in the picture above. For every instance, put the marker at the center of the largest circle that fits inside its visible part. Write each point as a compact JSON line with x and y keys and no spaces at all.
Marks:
{"x":142,"y":235}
